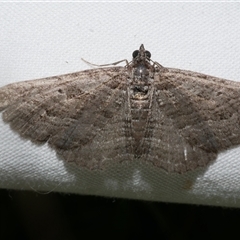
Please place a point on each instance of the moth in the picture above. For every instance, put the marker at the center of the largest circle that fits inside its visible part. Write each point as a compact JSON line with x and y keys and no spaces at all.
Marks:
{"x":175,"y":119}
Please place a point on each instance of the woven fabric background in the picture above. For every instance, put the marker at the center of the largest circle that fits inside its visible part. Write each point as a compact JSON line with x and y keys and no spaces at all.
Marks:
{"x":46,"y":39}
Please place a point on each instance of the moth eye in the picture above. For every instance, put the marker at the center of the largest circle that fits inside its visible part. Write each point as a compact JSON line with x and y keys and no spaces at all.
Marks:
{"x":148,"y":54}
{"x":135,"y":53}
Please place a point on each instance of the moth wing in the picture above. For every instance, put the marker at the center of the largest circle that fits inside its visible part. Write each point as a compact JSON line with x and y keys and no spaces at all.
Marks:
{"x":72,"y":112}
{"x":197,"y":116}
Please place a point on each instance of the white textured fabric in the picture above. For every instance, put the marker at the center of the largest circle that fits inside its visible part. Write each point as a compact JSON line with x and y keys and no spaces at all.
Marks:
{"x":45,"y":39}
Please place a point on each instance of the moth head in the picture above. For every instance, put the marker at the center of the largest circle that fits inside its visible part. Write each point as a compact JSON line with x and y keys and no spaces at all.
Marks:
{"x":141,"y":53}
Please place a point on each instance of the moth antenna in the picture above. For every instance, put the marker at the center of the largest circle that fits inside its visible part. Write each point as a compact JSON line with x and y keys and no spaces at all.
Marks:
{"x":104,"y":65}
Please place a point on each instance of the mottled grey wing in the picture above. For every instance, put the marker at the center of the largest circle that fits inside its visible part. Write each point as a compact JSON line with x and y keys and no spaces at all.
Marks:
{"x":196,"y":116}
{"x":79,"y":114}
